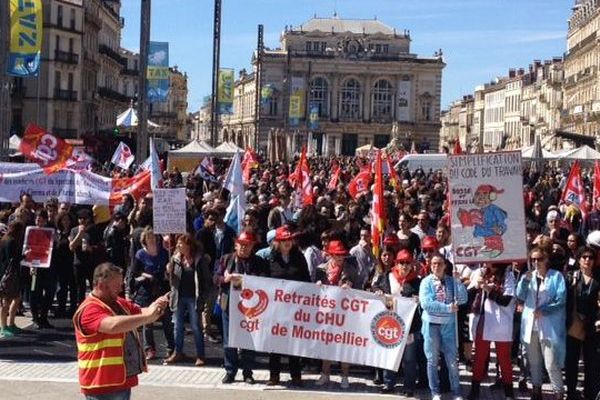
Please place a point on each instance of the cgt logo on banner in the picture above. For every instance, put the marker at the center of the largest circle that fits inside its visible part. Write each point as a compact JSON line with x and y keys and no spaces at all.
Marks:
{"x":388,"y":329}
{"x":304,"y":319}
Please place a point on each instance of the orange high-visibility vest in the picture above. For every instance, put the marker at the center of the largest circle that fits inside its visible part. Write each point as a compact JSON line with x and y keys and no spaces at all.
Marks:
{"x":100,"y":355}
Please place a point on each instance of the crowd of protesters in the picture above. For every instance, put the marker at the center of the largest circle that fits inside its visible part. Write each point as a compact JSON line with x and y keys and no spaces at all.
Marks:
{"x":542,"y":315}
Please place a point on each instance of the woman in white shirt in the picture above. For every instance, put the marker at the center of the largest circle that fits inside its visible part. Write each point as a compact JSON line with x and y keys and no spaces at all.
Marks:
{"x":491,"y":320}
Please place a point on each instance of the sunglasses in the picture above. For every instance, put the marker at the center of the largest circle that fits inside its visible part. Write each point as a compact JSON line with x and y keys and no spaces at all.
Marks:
{"x":537,"y":259}
{"x":587,"y":257}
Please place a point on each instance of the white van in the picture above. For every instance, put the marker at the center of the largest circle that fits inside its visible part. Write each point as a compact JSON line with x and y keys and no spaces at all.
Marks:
{"x":426,"y":162}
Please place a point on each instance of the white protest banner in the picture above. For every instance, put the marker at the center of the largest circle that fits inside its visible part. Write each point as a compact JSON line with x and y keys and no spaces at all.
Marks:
{"x":37,"y":247}
{"x":487,"y":212}
{"x":325,"y":322}
{"x":73,"y":186}
{"x":169,"y":211}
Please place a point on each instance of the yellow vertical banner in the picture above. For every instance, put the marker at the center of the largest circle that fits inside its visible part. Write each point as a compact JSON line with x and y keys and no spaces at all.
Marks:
{"x":225,"y":91}
{"x":26,"y":33}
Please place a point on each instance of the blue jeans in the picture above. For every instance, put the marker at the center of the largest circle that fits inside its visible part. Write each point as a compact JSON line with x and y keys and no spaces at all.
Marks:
{"x":189,"y":304}
{"x":441,"y":338}
{"x":230,"y":354}
{"x":409,"y":366}
{"x":120,"y":395}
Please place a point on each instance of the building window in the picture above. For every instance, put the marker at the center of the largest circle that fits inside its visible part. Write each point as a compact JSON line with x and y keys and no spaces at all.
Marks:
{"x":319,"y":95}
{"x":382,"y":100}
{"x":350,"y":100}
{"x":73,"y":19}
{"x":70,"y":82}
{"x":386,"y":48}
{"x":57,"y":42}
{"x":57,"y":79}
{"x":59,"y":16}
{"x":426,"y":110}
{"x":308,"y":46}
{"x":323,"y":46}
{"x":71,"y":45}
{"x":378,"y":48}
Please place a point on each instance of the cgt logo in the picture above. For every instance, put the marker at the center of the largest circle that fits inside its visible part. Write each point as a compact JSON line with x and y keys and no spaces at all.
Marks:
{"x":253,"y":303}
{"x":388,"y":329}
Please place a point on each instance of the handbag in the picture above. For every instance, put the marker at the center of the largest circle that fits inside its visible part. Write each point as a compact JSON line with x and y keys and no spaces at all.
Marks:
{"x":577,"y":327}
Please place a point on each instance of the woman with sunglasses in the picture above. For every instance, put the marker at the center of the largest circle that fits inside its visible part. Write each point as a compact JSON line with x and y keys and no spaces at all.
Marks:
{"x":582,"y":310}
{"x":402,"y":279}
{"x":544,"y":295}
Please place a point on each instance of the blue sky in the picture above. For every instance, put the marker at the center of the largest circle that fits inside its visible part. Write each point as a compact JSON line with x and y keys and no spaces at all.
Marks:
{"x":481,"y":39}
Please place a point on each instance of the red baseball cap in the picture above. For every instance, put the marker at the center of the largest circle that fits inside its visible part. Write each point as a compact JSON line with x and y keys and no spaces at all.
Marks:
{"x":246,"y":238}
{"x":336,"y":248}
{"x":283,"y":233}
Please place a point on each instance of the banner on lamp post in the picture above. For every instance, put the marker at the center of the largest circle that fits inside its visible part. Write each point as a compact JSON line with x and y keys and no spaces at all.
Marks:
{"x":26,"y":33}
{"x":225,"y":91}
{"x":157,"y":73}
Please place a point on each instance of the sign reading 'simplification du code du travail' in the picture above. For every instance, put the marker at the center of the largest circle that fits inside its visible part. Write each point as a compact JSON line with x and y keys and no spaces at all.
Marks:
{"x":319,"y":321}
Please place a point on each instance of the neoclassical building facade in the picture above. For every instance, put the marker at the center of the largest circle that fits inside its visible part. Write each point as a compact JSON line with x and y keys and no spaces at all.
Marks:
{"x":340,"y":84}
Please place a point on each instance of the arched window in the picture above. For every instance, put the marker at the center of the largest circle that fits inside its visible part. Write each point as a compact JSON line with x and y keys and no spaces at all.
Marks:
{"x":350,"y":100}
{"x":319,"y":96}
{"x":382,"y":100}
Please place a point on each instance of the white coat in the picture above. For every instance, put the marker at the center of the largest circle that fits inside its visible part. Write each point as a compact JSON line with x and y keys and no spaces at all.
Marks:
{"x":498,"y":323}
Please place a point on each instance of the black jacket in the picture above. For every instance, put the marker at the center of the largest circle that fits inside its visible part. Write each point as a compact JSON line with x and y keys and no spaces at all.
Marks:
{"x":295,"y":269}
{"x":254,"y":265}
{"x":586,"y":297}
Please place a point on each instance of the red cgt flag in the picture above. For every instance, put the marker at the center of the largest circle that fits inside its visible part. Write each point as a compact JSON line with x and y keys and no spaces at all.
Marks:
{"x":49,"y":151}
{"x":574,"y":191}
{"x":335,"y":177}
{"x":596,"y":185}
{"x":378,"y":209}
{"x":249,"y":162}
{"x":361,"y":183}
{"x":300,"y":180}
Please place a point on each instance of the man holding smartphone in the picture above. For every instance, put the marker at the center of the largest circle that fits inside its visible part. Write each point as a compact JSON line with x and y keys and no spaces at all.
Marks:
{"x":109,"y":352}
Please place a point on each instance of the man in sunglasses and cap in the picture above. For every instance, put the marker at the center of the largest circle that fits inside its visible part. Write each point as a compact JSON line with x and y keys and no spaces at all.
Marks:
{"x":231,"y":267}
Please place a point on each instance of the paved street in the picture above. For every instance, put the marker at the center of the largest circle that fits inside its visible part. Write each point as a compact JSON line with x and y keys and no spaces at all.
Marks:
{"x":44,"y":361}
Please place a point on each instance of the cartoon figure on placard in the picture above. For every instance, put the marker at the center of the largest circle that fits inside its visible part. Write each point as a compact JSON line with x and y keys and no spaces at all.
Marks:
{"x":488,"y":220}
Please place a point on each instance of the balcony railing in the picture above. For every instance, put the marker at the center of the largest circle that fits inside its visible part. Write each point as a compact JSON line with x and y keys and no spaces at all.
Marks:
{"x":65,"y":95}
{"x":107,"y":51}
{"x":112,"y":95}
{"x":66,"y":57}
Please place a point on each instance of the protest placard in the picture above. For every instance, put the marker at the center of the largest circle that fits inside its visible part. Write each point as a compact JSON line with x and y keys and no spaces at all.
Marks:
{"x":487,"y":213}
{"x":169,"y":211}
{"x":325,"y":322}
{"x":37,"y":247}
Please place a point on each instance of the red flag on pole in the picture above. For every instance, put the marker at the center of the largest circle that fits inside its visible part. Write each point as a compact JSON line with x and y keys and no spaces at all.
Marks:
{"x":574,"y":191}
{"x":596,"y":185}
{"x":300,"y":180}
{"x":48,"y":150}
{"x":378,"y":209}
{"x":335,"y":177}
{"x":249,"y":162}
{"x":394,"y":181}
{"x":361,"y":182}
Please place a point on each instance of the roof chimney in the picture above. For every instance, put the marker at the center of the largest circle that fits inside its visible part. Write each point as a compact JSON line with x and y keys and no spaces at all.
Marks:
{"x":512,"y":73}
